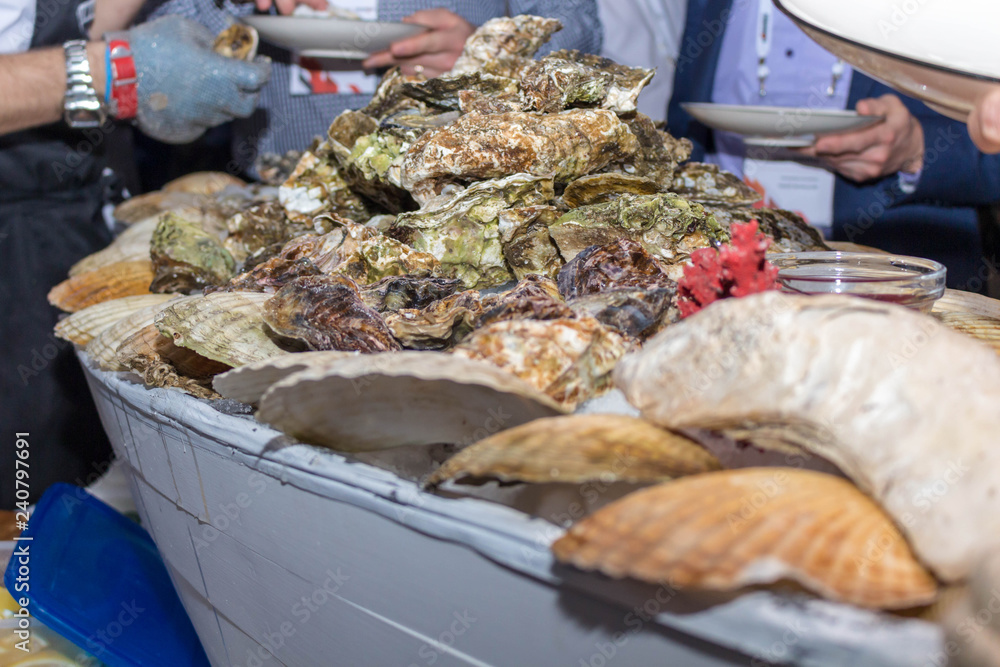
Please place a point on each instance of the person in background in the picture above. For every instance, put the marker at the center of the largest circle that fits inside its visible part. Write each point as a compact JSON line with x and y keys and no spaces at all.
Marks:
{"x":908,"y":185}
{"x":645,"y":33}
{"x":305,"y":95}
{"x":54,"y":128}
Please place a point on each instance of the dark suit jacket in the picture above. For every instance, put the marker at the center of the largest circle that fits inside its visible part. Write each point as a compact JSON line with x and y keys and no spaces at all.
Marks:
{"x":938,"y":221}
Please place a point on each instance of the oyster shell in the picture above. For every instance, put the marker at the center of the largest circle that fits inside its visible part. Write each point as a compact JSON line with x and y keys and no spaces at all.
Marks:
{"x":668,"y":227}
{"x":103,"y":348}
{"x":439,"y":325}
{"x":151,"y":355}
{"x":317,"y":186}
{"x":602,"y":188}
{"x":527,"y":246}
{"x":433,"y":398}
{"x":553,"y":84}
{"x":707,"y":184}
{"x":84,"y":325}
{"x":473,"y":101}
{"x":622,"y":83}
{"x":636,"y":314}
{"x":505,"y":36}
{"x":737,"y":528}
{"x":327,"y":313}
{"x":132,"y":245}
{"x":269,"y":276}
{"x":152,"y":204}
{"x":226,"y":326}
{"x":372,"y":167}
{"x":186,"y":257}
{"x":443,"y":91}
{"x":391,"y":97}
{"x":238,"y":41}
{"x":577,"y":449}
{"x":203,"y":183}
{"x":874,"y":388}
{"x":248,"y":383}
{"x":563,"y":146}
{"x":257,"y":229}
{"x":658,"y":152}
{"x":112,"y":281}
{"x":462,"y":230}
{"x":533,"y":298}
{"x":788,"y":230}
{"x":398,"y":292}
{"x":570,"y":360}
{"x":620,"y":264}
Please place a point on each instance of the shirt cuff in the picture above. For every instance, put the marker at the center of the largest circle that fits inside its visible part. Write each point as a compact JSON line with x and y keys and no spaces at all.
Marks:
{"x":908,"y":182}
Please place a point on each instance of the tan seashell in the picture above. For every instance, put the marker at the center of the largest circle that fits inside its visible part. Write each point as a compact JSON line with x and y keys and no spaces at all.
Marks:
{"x":370,"y":402}
{"x":203,"y":183}
{"x":104,"y":284}
{"x":82,"y":326}
{"x":103,"y":349}
{"x":980,"y":327}
{"x":152,"y":204}
{"x":151,"y":355}
{"x":248,"y":383}
{"x":225,"y":326}
{"x":577,"y":449}
{"x":130,"y":246}
{"x":736,"y":528}
{"x":957,"y":301}
{"x":238,"y":41}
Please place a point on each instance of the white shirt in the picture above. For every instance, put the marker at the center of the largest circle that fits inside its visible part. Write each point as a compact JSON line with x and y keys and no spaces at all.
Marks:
{"x":645,"y":33}
{"x":17,"y":24}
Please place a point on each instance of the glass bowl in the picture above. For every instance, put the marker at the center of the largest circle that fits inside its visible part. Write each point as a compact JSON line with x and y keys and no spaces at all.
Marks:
{"x":909,"y":281}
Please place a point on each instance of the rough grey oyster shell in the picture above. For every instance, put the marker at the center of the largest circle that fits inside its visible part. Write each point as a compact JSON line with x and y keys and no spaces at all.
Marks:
{"x":327,"y":313}
{"x":563,"y":146}
{"x":391,"y":96}
{"x":258,"y":228}
{"x":788,"y":230}
{"x":186,"y":257}
{"x":624,"y":83}
{"x":317,"y":186}
{"x":504,"y":36}
{"x":473,"y":101}
{"x":462,"y":230}
{"x":527,"y":246}
{"x":707,"y":184}
{"x":636,"y":314}
{"x":443,"y":91}
{"x":553,"y":84}
{"x":668,"y":226}
{"x":268,"y":276}
{"x":658,"y":154}
{"x":398,"y":292}
{"x":601,"y":188}
{"x":533,"y":298}
{"x":438,"y":325}
{"x":621,"y":264}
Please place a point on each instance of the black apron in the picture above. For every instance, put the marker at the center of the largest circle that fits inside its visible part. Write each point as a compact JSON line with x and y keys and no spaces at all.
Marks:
{"x":51,"y":194}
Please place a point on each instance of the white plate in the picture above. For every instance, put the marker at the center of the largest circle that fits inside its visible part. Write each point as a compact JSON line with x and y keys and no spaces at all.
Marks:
{"x":330,"y":37}
{"x":941,"y":52}
{"x":777,"y":126}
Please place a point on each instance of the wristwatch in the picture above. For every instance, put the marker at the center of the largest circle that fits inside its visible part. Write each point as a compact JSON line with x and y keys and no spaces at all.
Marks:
{"x":81,"y":107}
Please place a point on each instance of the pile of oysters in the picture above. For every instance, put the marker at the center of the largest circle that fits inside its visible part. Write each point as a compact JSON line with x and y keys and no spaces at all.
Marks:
{"x":470,"y":259}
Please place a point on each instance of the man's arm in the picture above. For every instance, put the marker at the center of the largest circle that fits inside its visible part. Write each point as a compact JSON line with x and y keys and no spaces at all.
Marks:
{"x":34,"y":84}
{"x":113,"y":15}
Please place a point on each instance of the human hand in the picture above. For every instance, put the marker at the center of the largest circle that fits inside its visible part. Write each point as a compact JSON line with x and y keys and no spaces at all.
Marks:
{"x":288,"y":6}
{"x":984,"y":122}
{"x":894,"y":145}
{"x":184,"y":87}
{"x":434,"y":52}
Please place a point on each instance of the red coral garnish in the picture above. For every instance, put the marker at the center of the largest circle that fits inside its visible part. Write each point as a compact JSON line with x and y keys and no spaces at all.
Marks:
{"x":735,"y":270}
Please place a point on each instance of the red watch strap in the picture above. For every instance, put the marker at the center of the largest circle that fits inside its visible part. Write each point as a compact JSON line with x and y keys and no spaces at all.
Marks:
{"x":124,"y":83}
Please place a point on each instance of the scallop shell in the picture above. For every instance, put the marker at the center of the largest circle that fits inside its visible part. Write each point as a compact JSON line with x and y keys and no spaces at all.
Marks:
{"x":203,"y":183}
{"x":980,"y":327}
{"x":577,"y":449}
{"x":130,"y":246}
{"x":102,"y":350}
{"x":248,"y":383}
{"x":113,"y":281}
{"x":224,"y":326}
{"x":152,"y":204}
{"x":736,"y":528}
{"x":432,"y":398}
{"x":84,"y":325}
{"x":155,"y":358}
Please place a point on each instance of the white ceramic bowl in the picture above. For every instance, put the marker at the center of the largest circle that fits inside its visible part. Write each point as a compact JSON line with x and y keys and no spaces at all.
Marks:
{"x":323,"y":37}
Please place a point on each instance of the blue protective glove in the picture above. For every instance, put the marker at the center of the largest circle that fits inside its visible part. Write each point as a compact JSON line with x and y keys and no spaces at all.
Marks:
{"x":184,"y":87}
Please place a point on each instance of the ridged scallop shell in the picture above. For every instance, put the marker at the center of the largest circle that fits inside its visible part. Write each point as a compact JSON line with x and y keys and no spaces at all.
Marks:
{"x":372,"y":402}
{"x":102,"y":350}
{"x":203,"y":183}
{"x":577,"y":449}
{"x":736,"y":528}
{"x":248,"y":383}
{"x":225,"y":326}
{"x":131,"y":245}
{"x":113,"y":281}
{"x":84,"y":325}
{"x":155,"y":358}
{"x":152,"y":204}
{"x":980,"y":327}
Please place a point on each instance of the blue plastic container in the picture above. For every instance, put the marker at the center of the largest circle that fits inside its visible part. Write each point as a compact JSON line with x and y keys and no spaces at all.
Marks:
{"x":97,"y":579}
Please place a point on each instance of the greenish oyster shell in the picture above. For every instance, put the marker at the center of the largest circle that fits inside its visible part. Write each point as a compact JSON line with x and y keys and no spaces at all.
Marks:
{"x":346,"y":129}
{"x":602,"y":188}
{"x":658,"y":155}
{"x":462,"y":230}
{"x":623,"y":83}
{"x":371,"y":171}
{"x":707,"y":184}
{"x":258,"y":228}
{"x":788,"y":230}
{"x":504,"y":37}
{"x":317,"y":186}
{"x":552,"y":84}
{"x":667,"y":226}
{"x":442,"y":91}
{"x":438,"y":325}
{"x":564,"y":146}
{"x":527,"y":246}
{"x":186,"y":257}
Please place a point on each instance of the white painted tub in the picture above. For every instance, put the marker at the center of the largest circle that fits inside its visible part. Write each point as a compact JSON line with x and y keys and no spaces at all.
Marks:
{"x":298,"y":556}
